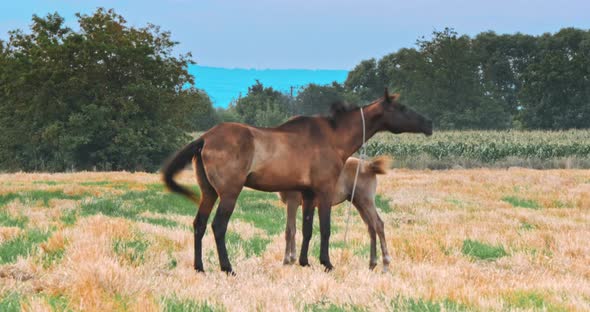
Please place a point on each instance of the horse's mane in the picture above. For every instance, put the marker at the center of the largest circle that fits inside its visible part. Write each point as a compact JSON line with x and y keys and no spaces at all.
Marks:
{"x":337,"y":109}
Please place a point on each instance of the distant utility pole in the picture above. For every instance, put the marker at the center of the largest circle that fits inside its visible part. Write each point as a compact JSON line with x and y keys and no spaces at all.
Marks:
{"x":292,"y":91}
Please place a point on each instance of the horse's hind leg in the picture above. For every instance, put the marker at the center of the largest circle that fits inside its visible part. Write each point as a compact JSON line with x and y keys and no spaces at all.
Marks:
{"x":292,"y":204}
{"x":200,"y":226}
{"x":208,"y":198}
{"x":225,"y":209}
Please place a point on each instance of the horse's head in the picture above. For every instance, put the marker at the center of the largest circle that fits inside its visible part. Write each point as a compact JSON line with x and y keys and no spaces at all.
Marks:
{"x":398,"y":118}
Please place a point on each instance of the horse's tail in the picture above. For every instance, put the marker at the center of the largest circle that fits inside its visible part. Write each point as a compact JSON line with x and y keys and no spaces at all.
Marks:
{"x":177,"y":163}
{"x":379,"y":164}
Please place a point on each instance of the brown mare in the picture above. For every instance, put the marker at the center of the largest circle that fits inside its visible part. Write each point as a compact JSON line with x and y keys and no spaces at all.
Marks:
{"x":363,"y":201}
{"x":304,"y":154}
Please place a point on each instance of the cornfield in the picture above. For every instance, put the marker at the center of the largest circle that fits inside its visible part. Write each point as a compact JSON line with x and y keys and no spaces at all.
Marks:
{"x":486,"y":148}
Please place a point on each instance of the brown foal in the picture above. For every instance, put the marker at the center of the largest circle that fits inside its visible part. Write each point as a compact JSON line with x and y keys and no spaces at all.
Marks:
{"x":304,"y":154}
{"x":364,"y":202}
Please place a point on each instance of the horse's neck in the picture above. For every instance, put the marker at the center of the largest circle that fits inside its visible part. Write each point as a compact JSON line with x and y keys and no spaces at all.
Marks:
{"x":349,"y":135}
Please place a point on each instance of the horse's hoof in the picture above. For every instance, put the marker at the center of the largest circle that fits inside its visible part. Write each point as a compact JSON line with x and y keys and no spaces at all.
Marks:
{"x":385,"y":269}
{"x":292,"y":260}
{"x":372,"y":266}
{"x":386,"y":260}
{"x":287,"y":261}
{"x":199,"y":270}
{"x":303,"y":262}
{"x":230,"y":272}
{"x":327,"y":266}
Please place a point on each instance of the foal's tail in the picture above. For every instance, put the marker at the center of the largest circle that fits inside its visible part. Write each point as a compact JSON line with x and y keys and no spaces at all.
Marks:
{"x":177,"y":163}
{"x":379,"y":164}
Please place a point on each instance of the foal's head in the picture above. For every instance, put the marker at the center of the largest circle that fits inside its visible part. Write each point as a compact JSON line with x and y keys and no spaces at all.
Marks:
{"x":398,"y":118}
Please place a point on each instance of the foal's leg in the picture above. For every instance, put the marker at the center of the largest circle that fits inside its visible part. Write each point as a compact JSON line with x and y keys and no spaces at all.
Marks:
{"x":292,"y":204}
{"x":308,"y":210}
{"x":200,"y":225}
{"x":380,"y":229}
{"x":224,"y":210}
{"x":325,"y":209}
{"x":360,"y":205}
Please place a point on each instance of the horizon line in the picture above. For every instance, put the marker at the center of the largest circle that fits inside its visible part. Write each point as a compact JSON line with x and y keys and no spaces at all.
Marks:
{"x":261,"y":69}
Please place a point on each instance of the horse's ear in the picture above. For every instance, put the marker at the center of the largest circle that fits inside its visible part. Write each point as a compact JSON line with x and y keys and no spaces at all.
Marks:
{"x":395,"y":97}
{"x":386,"y":96}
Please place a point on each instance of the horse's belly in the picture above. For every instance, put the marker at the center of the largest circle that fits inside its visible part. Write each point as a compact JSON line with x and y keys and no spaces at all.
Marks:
{"x":276,"y":181}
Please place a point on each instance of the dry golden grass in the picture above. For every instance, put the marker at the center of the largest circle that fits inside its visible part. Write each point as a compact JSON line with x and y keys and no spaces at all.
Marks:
{"x":546,"y":267}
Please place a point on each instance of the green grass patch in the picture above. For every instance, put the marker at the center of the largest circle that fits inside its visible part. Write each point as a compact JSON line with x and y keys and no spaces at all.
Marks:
{"x":251,"y":247}
{"x":58,"y":303}
{"x":112,"y":207}
{"x":129,"y":206}
{"x":255,"y":208}
{"x":48,"y":182}
{"x":421,"y":305}
{"x":255,"y":246}
{"x":330,"y":307}
{"x":173,"y":263}
{"x":521,"y":202}
{"x":131,"y":251}
{"x":525,"y":226}
{"x":36,"y":196}
{"x":21,"y":245}
{"x":8,"y":220}
{"x":383,"y":203}
{"x":530,"y":300}
{"x":10,"y":302}
{"x":69,"y":217}
{"x":160,"y":221}
{"x":156,"y":199}
{"x":185,"y":305}
{"x":110,"y":184}
{"x":481,"y":250}
{"x":52,"y":257}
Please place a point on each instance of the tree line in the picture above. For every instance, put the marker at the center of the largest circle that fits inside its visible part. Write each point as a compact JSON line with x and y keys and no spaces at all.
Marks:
{"x":490,"y":81}
{"x":109,"y":96}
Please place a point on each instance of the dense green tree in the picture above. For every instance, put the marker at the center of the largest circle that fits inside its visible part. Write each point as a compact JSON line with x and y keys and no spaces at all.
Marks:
{"x":228,"y":114}
{"x":364,"y":81}
{"x":556,"y":88}
{"x":107,"y":95}
{"x":317,"y":99}
{"x":263,"y":106}
{"x":201,"y":115}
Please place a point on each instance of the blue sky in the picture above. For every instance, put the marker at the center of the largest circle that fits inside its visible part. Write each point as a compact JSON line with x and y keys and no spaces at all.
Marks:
{"x":323,"y":34}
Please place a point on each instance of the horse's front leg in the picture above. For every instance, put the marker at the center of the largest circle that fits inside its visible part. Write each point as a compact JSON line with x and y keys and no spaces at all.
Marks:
{"x":325,"y":209}
{"x":292,"y":204}
{"x":308,"y":210}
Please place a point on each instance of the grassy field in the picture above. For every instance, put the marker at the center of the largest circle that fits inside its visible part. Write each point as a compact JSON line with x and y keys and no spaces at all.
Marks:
{"x":461,"y":240}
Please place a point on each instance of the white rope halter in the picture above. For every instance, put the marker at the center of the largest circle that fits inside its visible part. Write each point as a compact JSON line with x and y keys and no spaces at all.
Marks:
{"x":358,"y":169}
